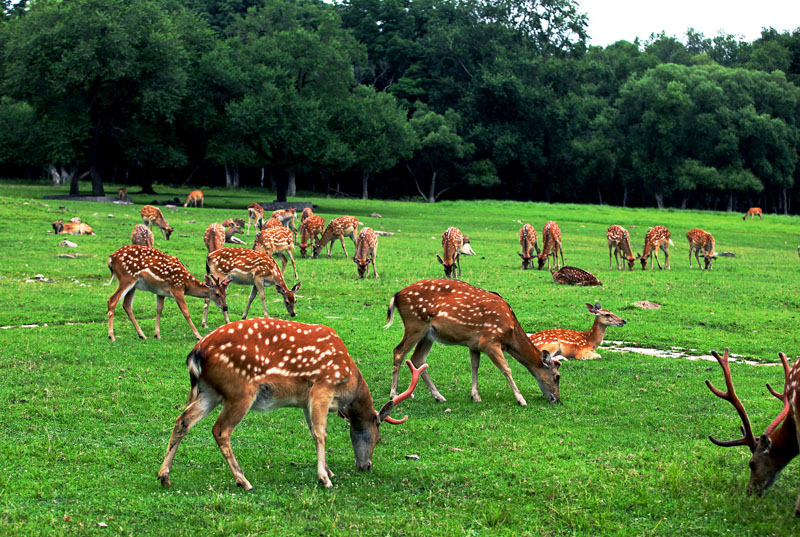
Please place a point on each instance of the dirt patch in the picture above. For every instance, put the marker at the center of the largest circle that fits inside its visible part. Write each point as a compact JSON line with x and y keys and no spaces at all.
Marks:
{"x":674,"y":352}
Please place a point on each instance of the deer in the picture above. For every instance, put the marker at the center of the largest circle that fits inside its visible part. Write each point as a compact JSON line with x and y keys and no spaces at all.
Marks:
{"x":366,"y":252}
{"x":194,"y":197}
{"x":701,"y":240}
{"x":255,"y":213}
{"x":71,"y":228}
{"x":774,"y":449}
{"x":457,"y":313}
{"x":338,"y":228}
{"x":454,"y":243}
{"x":306,"y":213}
{"x":276,"y":241}
{"x":311,"y":229}
{"x":265,"y":364}
{"x":148,"y":269}
{"x":528,"y":243}
{"x":142,"y":235}
{"x":657,"y":237}
{"x":286,"y":217}
{"x":577,"y":345}
{"x":234,"y":222}
{"x":272,"y":222}
{"x":217,"y":235}
{"x":248,"y":267}
{"x":620,"y":240}
{"x":122,"y":194}
{"x":152,"y":215}
{"x":567,"y":275}
{"x":551,"y":245}
{"x":752,"y":212}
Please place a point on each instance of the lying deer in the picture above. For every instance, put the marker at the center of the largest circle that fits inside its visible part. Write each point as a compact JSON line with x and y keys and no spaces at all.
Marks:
{"x":454,"y":243}
{"x":620,"y":240}
{"x":71,"y":228}
{"x":577,"y":345}
{"x":700,"y":240}
{"x":339,"y":228}
{"x":276,"y":241}
{"x":152,"y":215}
{"x":246,"y":366}
{"x":366,"y":252}
{"x":574,"y":276}
{"x":457,"y":313}
{"x":255,"y":213}
{"x":752,"y":212}
{"x":194,"y":197}
{"x":311,"y":230}
{"x":528,"y":243}
{"x":551,"y":245}
{"x":142,"y":235}
{"x":657,"y":237}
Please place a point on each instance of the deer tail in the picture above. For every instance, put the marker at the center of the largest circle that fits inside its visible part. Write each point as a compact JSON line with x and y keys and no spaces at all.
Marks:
{"x":671,"y":243}
{"x":193,"y":362}
{"x":390,"y":312}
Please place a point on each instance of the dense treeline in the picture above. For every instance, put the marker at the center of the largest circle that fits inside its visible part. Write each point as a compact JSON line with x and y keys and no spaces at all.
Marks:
{"x":396,"y":98}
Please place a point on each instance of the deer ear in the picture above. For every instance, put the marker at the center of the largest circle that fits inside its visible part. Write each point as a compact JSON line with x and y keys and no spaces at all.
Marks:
{"x":546,"y":359}
{"x":592,"y":309}
{"x":385,"y":410}
{"x":280,"y":290}
{"x":208,"y":281}
{"x":296,"y":287}
{"x":440,"y":259}
{"x":226,"y":281}
{"x":764,"y":444}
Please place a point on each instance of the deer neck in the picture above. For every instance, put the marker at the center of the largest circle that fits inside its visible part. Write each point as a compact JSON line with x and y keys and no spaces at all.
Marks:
{"x":596,"y":334}
{"x":196,"y":288}
{"x":360,"y":410}
{"x":626,"y":246}
{"x":784,"y":442}
{"x":522,"y":349}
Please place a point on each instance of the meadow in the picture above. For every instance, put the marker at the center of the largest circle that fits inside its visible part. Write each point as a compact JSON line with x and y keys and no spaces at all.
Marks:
{"x":86,"y":421}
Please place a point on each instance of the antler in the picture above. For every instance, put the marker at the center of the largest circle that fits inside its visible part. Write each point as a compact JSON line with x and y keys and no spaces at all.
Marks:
{"x":415,"y":373}
{"x":748,"y":439}
{"x":782,"y":396}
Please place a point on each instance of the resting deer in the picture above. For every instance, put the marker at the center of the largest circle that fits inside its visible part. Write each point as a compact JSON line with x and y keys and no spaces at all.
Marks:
{"x":152,"y":215}
{"x":366,"y":252}
{"x":276,"y":241}
{"x":339,"y":228}
{"x":234,"y":222}
{"x":142,"y":235}
{"x":145,"y":268}
{"x":701,"y":240}
{"x":752,"y":212}
{"x":657,"y":237}
{"x":454,"y":243}
{"x":194,"y":197}
{"x":528,"y":243}
{"x":457,"y":313}
{"x":246,"y":366}
{"x":286,"y":217}
{"x":217,"y":235}
{"x":574,"y":276}
{"x":255,"y":213}
{"x":551,"y":246}
{"x":774,"y":449}
{"x":71,"y":228}
{"x":577,"y":345}
{"x":311,"y":229}
{"x":620,"y":240}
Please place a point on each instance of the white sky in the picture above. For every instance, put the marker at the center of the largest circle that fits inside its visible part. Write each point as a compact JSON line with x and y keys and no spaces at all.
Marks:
{"x":612,"y":20}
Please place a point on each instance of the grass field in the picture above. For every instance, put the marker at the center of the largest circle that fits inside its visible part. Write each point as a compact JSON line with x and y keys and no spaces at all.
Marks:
{"x":86,"y":421}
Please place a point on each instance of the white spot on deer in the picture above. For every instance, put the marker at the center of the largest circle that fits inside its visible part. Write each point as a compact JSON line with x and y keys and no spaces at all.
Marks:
{"x":230,"y":330}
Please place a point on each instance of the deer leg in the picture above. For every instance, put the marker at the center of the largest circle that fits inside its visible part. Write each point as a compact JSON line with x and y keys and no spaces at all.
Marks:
{"x":307,"y":414}
{"x":232,"y":413}
{"x":410,"y":338}
{"x":458,"y":263}
{"x":496,"y":356}
{"x":609,"y":256}
{"x":475,"y":359}
{"x":341,"y":239}
{"x":293,"y":265}
{"x":159,"y":309}
{"x":690,"y":256}
{"x":179,"y":298}
{"x":319,"y":402}
{"x":127,"y":305}
{"x":122,"y":290}
{"x":418,"y":358}
{"x":374,"y":269}
{"x":205,"y":314}
{"x":560,"y":249}
{"x":697,"y":256}
{"x":666,"y":256}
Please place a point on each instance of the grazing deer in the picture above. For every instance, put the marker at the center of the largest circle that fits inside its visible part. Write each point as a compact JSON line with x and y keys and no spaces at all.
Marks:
{"x":773,"y":450}
{"x":366,"y":252}
{"x":147,"y":269}
{"x":567,"y":275}
{"x":122,"y":194}
{"x":247,"y":267}
{"x":264,"y":364}
{"x":71,"y":228}
{"x":551,"y":245}
{"x":577,"y":345}
{"x":142,"y":235}
{"x":286,"y":217}
{"x":276,"y":241}
{"x":528,"y":243}
{"x":454,"y":243}
{"x":657,"y":237}
{"x":255,"y":213}
{"x":339,"y":228}
{"x":457,"y":313}
{"x":306,"y":213}
{"x":701,"y":240}
{"x":311,"y":229}
{"x":752,"y":212}
{"x":152,"y":215}
{"x":194,"y":197}
{"x":620,"y":240}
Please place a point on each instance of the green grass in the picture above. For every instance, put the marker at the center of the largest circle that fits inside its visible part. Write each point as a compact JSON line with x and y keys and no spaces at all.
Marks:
{"x":86,"y":421}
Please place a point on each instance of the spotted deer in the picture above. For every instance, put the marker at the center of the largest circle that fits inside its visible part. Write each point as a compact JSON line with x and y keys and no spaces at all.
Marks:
{"x":700,"y":240}
{"x":551,"y":245}
{"x":306,"y":213}
{"x":286,"y":217}
{"x":234,"y":222}
{"x":194,"y":197}
{"x":574,"y":276}
{"x":272,"y":222}
{"x":265,"y":364}
{"x":454,"y":243}
{"x":528,"y":242}
{"x":248,"y":267}
{"x":752,"y":212}
{"x":277,"y":241}
{"x":457,"y":313}
{"x":71,"y":228}
{"x":255,"y":213}
{"x":148,"y":269}
{"x":311,"y":229}
{"x":657,"y":237}
{"x":339,"y":228}
{"x":217,"y":235}
{"x":152,"y":215}
{"x":142,"y":235}
{"x":620,"y":240}
{"x":774,"y":449}
{"x":366,"y":252}
{"x":577,"y":345}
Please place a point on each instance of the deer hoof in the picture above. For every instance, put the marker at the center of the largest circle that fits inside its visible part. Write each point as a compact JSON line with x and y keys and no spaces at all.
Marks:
{"x":325,"y":482}
{"x":522,"y":402}
{"x":157,"y":336}
{"x":245,"y":484}
{"x":476,"y":398}
{"x":164,"y":480}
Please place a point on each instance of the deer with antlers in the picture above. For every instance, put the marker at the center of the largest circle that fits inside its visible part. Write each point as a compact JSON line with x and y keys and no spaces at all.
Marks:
{"x":71,"y":228}
{"x":194,"y":197}
{"x":276,"y":241}
{"x":528,"y":242}
{"x":457,"y":313}
{"x":752,"y":212}
{"x":657,"y":237}
{"x":620,"y":240}
{"x":311,"y":230}
{"x":148,"y":269}
{"x":265,"y":364}
{"x":774,"y":449}
{"x":454,"y":243}
{"x":152,"y":215}
{"x":700,"y":240}
{"x":255,"y":213}
{"x":338,"y":228}
{"x":142,"y":235}
{"x":366,"y":252}
{"x":286,"y":217}
{"x":551,"y":245}
{"x":577,"y":345}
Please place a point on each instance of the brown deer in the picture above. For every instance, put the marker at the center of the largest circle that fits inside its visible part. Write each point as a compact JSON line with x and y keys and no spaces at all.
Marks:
{"x":528,"y":242}
{"x":752,"y":212}
{"x":620,"y":240}
{"x":152,"y":215}
{"x":234,"y":222}
{"x":286,"y":217}
{"x":701,"y":240}
{"x":339,"y":228}
{"x":71,"y":228}
{"x":264,"y":364}
{"x":248,"y":267}
{"x":276,"y":241}
{"x":774,"y":449}
{"x":551,"y":237}
{"x":577,"y":345}
{"x":366,"y":252}
{"x":272,"y":222}
{"x":194,"y":197}
{"x":574,"y":276}
{"x":122,"y":194}
{"x":454,"y":243}
{"x":311,"y":229}
{"x":255,"y":213}
{"x":142,"y":235}
{"x":306,"y":213}
{"x":457,"y":313}
{"x":217,"y":235}
{"x":147,"y":269}
{"x":657,"y":237}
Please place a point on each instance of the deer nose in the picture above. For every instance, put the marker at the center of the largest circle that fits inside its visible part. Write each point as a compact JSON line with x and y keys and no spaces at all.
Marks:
{"x":225,"y":308}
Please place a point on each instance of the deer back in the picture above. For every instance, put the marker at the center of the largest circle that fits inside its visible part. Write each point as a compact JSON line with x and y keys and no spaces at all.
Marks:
{"x":214,"y":237}
{"x":142,"y":235}
{"x":654,"y":238}
{"x":339,"y":227}
{"x":306,"y":213}
{"x":551,"y":234}
{"x":452,"y":242}
{"x":133,"y":261}
{"x":274,"y":240}
{"x":365,"y":245}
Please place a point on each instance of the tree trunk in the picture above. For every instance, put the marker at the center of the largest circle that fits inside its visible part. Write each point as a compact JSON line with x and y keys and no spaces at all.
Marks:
{"x":659,"y":200}
{"x":54,"y":175}
{"x":599,"y":195}
{"x":364,"y":183}
{"x":432,"y":195}
{"x":280,"y":184}
{"x":785,"y":202}
{"x":625,"y":196}
{"x":291,"y":189}
{"x":74,"y":188}
{"x":730,"y":203}
{"x":683,"y":203}
{"x":262,"y":176}
{"x":232,"y":176}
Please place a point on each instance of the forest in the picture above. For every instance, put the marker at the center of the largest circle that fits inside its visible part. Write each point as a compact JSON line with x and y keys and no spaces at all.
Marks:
{"x":401,"y":99}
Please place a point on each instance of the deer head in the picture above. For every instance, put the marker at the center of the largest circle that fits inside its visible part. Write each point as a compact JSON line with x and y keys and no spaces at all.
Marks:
{"x":218,"y":290}
{"x":289,"y":298}
{"x":449,"y":268}
{"x":605,"y":317}
{"x":363,"y":265}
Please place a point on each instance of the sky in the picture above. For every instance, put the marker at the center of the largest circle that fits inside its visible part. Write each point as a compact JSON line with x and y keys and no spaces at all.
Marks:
{"x":612,"y":20}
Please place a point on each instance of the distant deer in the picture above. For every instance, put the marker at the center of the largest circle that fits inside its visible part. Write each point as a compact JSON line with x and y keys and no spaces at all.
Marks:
{"x":306,"y":213}
{"x":237,"y":222}
{"x":454,"y":243}
{"x":311,"y":230}
{"x":286,"y":217}
{"x":657,"y":237}
{"x":551,"y":237}
{"x":574,"y":276}
{"x":255,"y":213}
{"x":152,"y":215}
{"x":752,"y":212}
{"x":366,"y":251}
{"x":700,"y":240}
{"x":620,"y":240}
{"x":577,"y":345}
{"x":217,"y":235}
{"x":457,"y":313}
{"x":71,"y":228}
{"x":246,"y":366}
{"x":122,"y":194}
{"x":194,"y":197}
{"x":339,"y":228}
{"x":277,"y":241}
{"x":142,"y":235}
{"x":528,"y":243}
